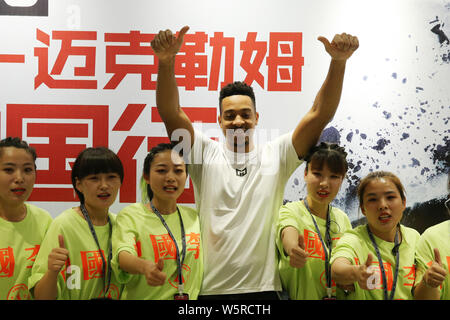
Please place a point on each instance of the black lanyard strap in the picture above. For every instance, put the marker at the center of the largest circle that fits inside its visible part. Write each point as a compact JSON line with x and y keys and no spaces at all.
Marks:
{"x":183,"y":242}
{"x":106,"y":267}
{"x":380,"y":262}
{"x":327,"y":244}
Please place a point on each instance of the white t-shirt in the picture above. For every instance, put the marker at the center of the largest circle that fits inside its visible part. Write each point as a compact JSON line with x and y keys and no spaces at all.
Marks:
{"x":238,"y":202}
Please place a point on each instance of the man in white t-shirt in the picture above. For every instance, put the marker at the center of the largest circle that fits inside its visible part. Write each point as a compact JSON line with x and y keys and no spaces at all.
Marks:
{"x":239,"y":185}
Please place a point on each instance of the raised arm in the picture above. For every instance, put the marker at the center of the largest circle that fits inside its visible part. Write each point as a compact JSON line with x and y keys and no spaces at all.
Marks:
{"x":166,"y":46}
{"x":308,"y":131}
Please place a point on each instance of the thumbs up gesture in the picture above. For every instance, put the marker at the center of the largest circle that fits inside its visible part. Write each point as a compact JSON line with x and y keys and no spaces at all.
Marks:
{"x":435,"y":274}
{"x":58,"y":256}
{"x":341,"y":47}
{"x":166,"y":45}
{"x":364,"y":272}
{"x":154,"y":274}
{"x":297,"y":254}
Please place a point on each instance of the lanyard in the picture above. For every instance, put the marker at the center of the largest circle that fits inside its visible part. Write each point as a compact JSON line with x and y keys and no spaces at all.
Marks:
{"x":380,"y":262}
{"x":106,"y":273}
{"x":326,"y":246}
{"x":183,"y":242}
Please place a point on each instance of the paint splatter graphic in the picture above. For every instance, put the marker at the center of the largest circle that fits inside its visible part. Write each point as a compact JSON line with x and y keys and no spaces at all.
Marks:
{"x":405,"y":131}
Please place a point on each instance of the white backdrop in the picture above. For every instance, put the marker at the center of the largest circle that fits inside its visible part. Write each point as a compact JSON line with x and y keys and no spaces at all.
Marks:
{"x":393,"y":114}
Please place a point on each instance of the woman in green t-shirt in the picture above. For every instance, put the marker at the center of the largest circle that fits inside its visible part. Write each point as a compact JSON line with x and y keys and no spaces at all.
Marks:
{"x":433,"y":260}
{"x":74,"y":260}
{"x":157,"y":247}
{"x":378,"y":258}
{"x":308,"y":229}
{"x":22,"y":225}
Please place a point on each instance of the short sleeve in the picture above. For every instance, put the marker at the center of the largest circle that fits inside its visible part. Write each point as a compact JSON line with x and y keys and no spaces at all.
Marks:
{"x":346,"y":247}
{"x":125,"y":238}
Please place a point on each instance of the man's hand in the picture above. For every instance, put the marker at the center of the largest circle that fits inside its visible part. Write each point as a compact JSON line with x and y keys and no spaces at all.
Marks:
{"x":342,"y":46}
{"x":166,"y":45}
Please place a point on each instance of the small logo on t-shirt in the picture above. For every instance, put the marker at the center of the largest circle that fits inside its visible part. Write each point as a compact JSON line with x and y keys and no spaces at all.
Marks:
{"x":19,"y":292}
{"x":241,"y":172}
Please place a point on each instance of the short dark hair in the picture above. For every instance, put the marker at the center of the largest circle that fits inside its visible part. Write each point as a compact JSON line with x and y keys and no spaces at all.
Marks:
{"x":236,"y":88}
{"x":17,"y":142}
{"x":148,"y":162}
{"x":333,"y":155}
{"x":94,"y":161}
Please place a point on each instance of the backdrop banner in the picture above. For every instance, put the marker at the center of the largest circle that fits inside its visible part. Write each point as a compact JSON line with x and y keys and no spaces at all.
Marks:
{"x":76,"y":74}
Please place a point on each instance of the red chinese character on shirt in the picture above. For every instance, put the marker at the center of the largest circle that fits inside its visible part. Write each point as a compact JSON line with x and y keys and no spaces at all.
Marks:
{"x":377,"y":273}
{"x":448,"y":263}
{"x":186,"y":273}
{"x":135,"y":48}
{"x":218,"y":42}
{"x":410,"y":276}
{"x":192,"y":65}
{"x":34,"y":251}
{"x":67,"y":49}
{"x":313,"y":245}
{"x":163,"y":247}
{"x":92,"y":264}
{"x":249,"y":46}
{"x":6,"y":262}
{"x":138,"y":247}
{"x":285,"y":61}
{"x":193,"y":239}
{"x":52,"y":127}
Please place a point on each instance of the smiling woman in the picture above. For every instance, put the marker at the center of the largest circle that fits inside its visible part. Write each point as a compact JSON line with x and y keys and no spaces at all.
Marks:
{"x":157,"y":245}
{"x":304,"y":264}
{"x":22,"y":226}
{"x":82,"y":235}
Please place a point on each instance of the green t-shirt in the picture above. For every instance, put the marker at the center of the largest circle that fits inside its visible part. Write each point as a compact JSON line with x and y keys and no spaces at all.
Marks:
{"x":82,"y":276}
{"x":19,"y":244}
{"x":309,"y":282}
{"x":355,"y":246}
{"x":436,"y":236}
{"x":141,"y":233}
